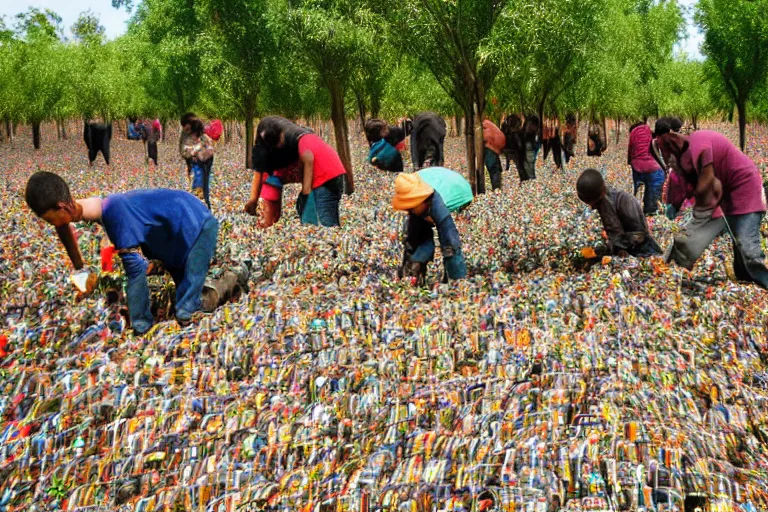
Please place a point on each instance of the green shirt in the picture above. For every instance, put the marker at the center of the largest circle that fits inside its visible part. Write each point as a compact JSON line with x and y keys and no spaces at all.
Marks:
{"x":452,"y":187}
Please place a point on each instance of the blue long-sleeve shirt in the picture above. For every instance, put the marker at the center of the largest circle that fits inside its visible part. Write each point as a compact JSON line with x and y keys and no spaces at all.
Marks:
{"x":163,"y":223}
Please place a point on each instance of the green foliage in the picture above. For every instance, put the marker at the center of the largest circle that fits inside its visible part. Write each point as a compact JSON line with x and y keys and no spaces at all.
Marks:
{"x":682,"y":90}
{"x":87,"y":28}
{"x":735,"y":39}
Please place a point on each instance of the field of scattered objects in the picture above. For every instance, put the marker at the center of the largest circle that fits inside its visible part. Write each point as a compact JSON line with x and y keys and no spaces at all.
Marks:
{"x":332,"y":386}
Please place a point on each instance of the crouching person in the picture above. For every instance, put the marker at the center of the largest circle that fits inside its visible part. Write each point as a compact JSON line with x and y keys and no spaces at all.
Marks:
{"x":429,"y":197}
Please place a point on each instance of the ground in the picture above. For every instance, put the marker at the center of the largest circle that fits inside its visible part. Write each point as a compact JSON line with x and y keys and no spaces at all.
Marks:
{"x":330,"y":362}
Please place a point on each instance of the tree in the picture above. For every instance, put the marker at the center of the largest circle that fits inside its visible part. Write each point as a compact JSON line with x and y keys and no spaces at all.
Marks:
{"x":164,"y":34}
{"x":544,"y":49}
{"x":87,"y":28}
{"x":40,"y":68}
{"x":331,"y":36}
{"x":736,"y":43}
{"x":446,"y":36}
{"x":238,"y":40}
{"x":682,"y":90}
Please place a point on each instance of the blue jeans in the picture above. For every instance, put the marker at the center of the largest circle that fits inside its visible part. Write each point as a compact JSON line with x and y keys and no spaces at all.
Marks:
{"x":322,"y":208}
{"x":493,"y":164}
{"x":189,"y":280}
{"x":748,"y":257}
{"x":654,"y":182}
{"x":420,"y":243}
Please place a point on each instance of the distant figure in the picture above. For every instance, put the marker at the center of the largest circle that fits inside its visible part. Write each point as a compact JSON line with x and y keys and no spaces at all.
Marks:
{"x":150,"y":133}
{"x":97,"y":137}
{"x":646,"y":170}
{"x":427,"y":139}
{"x":494,"y":142}
{"x":383,"y":141}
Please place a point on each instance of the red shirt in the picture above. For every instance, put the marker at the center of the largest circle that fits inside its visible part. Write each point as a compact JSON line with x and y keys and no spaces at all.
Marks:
{"x":327,"y":163}
{"x":640,"y":157}
{"x":493,"y":138}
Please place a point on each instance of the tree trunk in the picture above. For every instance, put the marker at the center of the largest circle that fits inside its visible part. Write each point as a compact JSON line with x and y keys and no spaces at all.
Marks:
{"x":742,"y":108}
{"x":14,"y":125}
{"x":8,"y":131}
{"x":375,"y":105}
{"x":605,"y":132}
{"x":730,"y":114}
{"x":341,"y":133}
{"x":248,"y":139}
{"x":36,"y":135}
{"x":458,"y":125}
{"x":479,"y":150}
{"x":469,"y":139}
{"x":361,"y":111}
{"x":58,"y":130}
{"x":618,"y":129}
{"x":695,"y":124}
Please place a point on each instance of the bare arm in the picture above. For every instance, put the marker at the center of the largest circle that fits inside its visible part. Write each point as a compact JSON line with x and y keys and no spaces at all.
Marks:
{"x":69,"y":241}
{"x":708,"y":189}
{"x":308,"y":168}
{"x":253,"y":202}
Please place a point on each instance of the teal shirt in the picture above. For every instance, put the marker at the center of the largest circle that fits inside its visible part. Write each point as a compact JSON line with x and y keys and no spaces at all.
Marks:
{"x":452,"y":187}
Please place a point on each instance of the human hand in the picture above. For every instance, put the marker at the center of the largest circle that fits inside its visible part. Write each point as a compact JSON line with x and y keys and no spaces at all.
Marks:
{"x":251,"y":207}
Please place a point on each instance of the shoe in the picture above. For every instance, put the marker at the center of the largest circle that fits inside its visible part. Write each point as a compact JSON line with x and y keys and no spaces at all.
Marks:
{"x":640,"y":190}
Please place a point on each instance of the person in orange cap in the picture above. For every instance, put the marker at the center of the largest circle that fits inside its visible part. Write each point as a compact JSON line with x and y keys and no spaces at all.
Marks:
{"x":426,"y":209}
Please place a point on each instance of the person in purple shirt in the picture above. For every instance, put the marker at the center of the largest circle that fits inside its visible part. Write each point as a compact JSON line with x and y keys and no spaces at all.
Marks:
{"x":646,"y":171}
{"x":721,"y":176}
{"x":171,"y":226}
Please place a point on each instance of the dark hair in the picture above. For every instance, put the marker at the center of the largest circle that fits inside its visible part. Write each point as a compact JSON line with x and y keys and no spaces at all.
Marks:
{"x":373,"y":129}
{"x":187,"y":118}
{"x":45,"y":190}
{"x":639,"y":123}
{"x":590,"y":185}
{"x":661,"y":127}
{"x":196,"y":127}
{"x":676,"y":124}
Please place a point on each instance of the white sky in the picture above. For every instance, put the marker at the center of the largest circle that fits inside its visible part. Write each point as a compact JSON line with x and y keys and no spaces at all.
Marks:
{"x":114,"y":20}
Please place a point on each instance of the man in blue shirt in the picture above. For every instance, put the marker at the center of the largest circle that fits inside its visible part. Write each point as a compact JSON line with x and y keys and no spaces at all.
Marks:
{"x":171,"y":226}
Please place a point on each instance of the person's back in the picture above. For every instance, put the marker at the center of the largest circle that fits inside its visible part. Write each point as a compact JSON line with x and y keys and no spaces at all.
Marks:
{"x":164,"y":223}
{"x":427,"y":138}
{"x":640,"y":157}
{"x":452,"y":186}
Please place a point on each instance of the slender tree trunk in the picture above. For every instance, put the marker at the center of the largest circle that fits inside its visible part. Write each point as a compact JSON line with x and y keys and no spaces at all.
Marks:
{"x":64,"y":135}
{"x":36,"y":135}
{"x":248,"y":139}
{"x":14,"y":125}
{"x":8,"y":131}
{"x":469,"y":139}
{"x":458,"y":125}
{"x":618,"y":129}
{"x":58,"y":130}
{"x":375,"y":105}
{"x":479,"y":150}
{"x":742,"y":108}
{"x":605,"y":132}
{"x":341,"y":132}
{"x":730,"y":114}
{"x":361,"y":111}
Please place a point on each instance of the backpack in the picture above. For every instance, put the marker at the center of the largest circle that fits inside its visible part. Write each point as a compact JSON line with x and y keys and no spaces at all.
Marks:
{"x":383,"y":155}
{"x":214,"y":129}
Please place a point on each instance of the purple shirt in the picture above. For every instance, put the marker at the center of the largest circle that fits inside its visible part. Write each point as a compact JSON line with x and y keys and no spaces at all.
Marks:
{"x":742,"y":184}
{"x":640,"y":157}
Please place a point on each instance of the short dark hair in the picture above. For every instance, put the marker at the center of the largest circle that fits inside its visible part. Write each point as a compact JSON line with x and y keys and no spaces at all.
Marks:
{"x":590,"y":185}
{"x":676,"y":124}
{"x":187,"y":118}
{"x":196,"y":127}
{"x":373,"y":128}
{"x":45,"y":190}
{"x":661,"y":127}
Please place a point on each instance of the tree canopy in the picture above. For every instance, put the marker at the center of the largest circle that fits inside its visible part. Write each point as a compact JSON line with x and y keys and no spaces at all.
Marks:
{"x":345,"y":59}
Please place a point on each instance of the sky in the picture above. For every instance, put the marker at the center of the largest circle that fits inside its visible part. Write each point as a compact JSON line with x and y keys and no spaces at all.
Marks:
{"x":114,"y":20}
